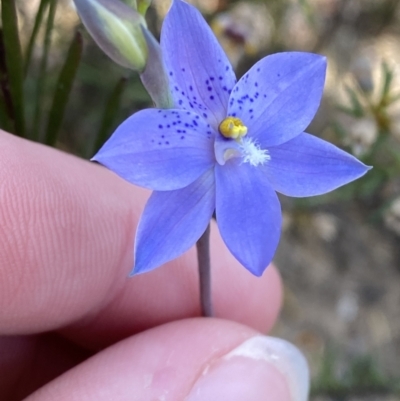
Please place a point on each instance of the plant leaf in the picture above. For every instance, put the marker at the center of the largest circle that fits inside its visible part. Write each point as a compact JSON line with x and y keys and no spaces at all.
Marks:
{"x":41,"y":82}
{"x":63,"y":89}
{"x":14,"y":63}
{"x":109,"y":114}
{"x":38,"y":21}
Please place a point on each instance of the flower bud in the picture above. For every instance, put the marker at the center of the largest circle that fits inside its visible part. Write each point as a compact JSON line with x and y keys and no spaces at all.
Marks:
{"x":117,"y":30}
{"x":143,"y":5}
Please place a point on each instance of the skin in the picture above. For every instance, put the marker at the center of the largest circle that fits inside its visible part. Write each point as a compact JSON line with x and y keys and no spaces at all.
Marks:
{"x":67,"y":229}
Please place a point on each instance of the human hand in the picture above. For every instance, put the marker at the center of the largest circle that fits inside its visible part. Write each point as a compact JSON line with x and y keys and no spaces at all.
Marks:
{"x":67,"y":229}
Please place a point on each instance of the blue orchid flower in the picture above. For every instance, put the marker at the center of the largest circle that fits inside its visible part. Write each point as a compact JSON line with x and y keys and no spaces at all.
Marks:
{"x":227,"y":147}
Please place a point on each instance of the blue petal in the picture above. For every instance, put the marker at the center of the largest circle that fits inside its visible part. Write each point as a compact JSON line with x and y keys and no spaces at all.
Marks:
{"x":279,"y":96}
{"x":172,"y":222}
{"x":160,"y":149}
{"x":248,"y":214}
{"x":308,"y":166}
{"x":201,"y":77}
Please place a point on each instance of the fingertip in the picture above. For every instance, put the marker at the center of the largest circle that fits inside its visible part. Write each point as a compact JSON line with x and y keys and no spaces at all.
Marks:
{"x":171,"y":292}
{"x":193,"y":359}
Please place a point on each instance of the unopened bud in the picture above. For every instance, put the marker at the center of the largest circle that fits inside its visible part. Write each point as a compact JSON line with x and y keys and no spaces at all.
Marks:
{"x":142,"y":6}
{"x":117,"y":30}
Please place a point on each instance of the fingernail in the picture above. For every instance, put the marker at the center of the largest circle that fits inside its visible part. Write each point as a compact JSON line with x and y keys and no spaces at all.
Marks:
{"x":260,"y":369}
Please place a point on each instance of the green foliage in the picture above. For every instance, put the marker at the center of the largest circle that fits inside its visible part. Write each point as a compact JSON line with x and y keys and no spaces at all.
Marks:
{"x":109,"y":115}
{"x":63,"y":90}
{"x":384,"y":152}
{"x":38,"y":22}
{"x":37,"y":85}
{"x":361,"y":378}
{"x":14,"y":65}
{"x":41,"y":81}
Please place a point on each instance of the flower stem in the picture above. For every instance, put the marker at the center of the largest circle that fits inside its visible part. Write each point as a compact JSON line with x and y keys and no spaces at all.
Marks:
{"x":203,"y":257}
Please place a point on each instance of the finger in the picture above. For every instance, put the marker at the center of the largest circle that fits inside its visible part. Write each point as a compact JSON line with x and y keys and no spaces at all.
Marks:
{"x":191,"y":360}
{"x":30,"y":362}
{"x":68,"y":226}
{"x":172,"y":292}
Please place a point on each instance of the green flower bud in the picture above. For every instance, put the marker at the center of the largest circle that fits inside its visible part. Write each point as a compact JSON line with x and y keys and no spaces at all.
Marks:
{"x":117,"y":29}
{"x":143,"y":5}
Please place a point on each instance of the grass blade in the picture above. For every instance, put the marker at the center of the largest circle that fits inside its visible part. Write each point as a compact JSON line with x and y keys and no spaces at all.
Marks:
{"x":109,"y":114}
{"x":14,"y":63}
{"x":41,"y":82}
{"x":38,"y":21}
{"x":6,"y":105}
{"x":63,"y":89}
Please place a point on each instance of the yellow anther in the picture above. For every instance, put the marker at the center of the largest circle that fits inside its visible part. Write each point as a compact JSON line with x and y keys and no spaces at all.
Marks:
{"x":232,"y":127}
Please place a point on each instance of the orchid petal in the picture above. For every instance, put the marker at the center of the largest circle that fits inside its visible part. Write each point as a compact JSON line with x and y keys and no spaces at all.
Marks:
{"x":172,"y":222}
{"x":279,"y":96}
{"x":248,"y":214}
{"x":201,"y":77}
{"x":308,"y":166}
{"x":160,"y":149}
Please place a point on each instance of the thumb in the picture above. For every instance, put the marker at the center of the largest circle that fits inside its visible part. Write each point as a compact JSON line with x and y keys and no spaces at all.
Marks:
{"x":191,"y":360}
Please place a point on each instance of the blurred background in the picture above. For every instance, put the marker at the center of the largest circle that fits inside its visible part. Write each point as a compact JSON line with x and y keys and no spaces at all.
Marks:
{"x":340,"y":253}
